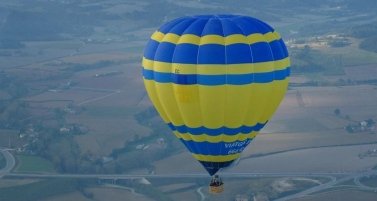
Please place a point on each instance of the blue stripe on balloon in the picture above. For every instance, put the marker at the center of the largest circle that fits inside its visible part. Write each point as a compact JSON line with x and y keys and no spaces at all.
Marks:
{"x":250,"y":25}
{"x":216,"y":149}
{"x":217,"y":24}
{"x":213,"y":80}
{"x":196,"y":28}
{"x":213,"y":27}
{"x":215,"y":53}
{"x":262,"y":51}
{"x":182,"y":26}
{"x":238,"y":53}
{"x":164,"y":52}
{"x":185,"y":53}
{"x":150,"y":49}
{"x":278,"y":49}
{"x":216,"y":131}
{"x":213,"y":167}
{"x":209,"y":54}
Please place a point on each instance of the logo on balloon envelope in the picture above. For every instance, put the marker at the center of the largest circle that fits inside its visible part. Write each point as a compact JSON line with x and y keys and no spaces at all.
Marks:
{"x":216,"y":80}
{"x":236,"y":147}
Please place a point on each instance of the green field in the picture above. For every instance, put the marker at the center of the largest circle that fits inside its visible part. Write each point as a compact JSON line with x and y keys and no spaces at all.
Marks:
{"x":28,"y":163}
{"x":352,"y":55}
{"x":369,"y":181}
{"x":38,"y":190}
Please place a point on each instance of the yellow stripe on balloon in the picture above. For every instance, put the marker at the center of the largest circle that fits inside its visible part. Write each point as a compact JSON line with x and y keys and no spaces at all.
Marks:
{"x":150,"y":87}
{"x":235,"y":38}
{"x":211,"y":39}
{"x":215,"y":139}
{"x":157,"y":36}
{"x":171,"y":38}
{"x":217,"y":158}
{"x":184,"y":105}
{"x":215,"y":69}
{"x":215,"y":39}
{"x":189,"y":38}
{"x":279,"y":89}
{"x":267,"y":37}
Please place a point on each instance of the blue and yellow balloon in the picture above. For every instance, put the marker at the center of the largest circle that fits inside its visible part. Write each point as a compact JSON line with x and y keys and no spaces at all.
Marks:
{"x":216,"y":80}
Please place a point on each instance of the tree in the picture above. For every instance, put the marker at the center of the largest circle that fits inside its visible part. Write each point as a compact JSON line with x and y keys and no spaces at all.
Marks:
{"x":337,"y":111}
{"x":349,"y":128}
{"x":370,"y":122}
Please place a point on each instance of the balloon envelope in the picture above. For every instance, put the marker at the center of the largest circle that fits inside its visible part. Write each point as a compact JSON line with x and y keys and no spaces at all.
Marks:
{"x":216,"y":80}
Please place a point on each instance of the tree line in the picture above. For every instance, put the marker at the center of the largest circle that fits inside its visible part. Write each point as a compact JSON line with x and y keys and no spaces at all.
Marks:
{"x":368,"y":34}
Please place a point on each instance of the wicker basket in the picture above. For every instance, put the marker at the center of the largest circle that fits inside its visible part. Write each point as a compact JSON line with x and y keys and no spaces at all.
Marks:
{"x":216,"y":189}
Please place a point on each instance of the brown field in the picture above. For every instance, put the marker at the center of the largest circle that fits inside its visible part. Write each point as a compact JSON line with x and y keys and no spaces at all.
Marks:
{"x":326,"y":97}
{"x":110,"y":116}
{"x":128,"y":97}
{"x":106,"y":134}
{"x":76,"y":196}
{"x":267,"y":143}
{"x":83,"y":77}
{"x":109,"y":102}
{"x":186,"y":195}
{"x":39,"y":106}
{"x":16,"y":182}
{"x":173,"y":187}
{"x":96,"y":57}
{"x":299,"y":79}
{"x":328,"y":159}
{"x":341,"y":195}
{"x":103,"y":194}
{"x":183,"y":162}
{"x":75,"y":95}
{"x":364,"y":72}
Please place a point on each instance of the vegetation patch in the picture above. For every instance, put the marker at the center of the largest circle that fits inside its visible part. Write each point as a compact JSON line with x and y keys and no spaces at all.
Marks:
{"x":370,"y":181}
{"x":43,"y":189}
{"x":28,"y":163}
{"x":367,"y":32}
{"x":369,"y":44}
{"x":309,"y":60}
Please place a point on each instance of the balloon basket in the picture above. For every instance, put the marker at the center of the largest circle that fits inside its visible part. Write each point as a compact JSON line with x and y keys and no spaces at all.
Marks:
{"x":216,"y":189}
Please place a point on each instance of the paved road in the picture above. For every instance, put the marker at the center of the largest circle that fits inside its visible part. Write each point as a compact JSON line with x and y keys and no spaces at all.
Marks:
{"x":10,"y":162}
{"x":201,"y":194}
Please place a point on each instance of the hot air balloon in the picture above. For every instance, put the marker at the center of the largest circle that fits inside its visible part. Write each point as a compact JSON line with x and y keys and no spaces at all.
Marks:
{"x":216,"y":80}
